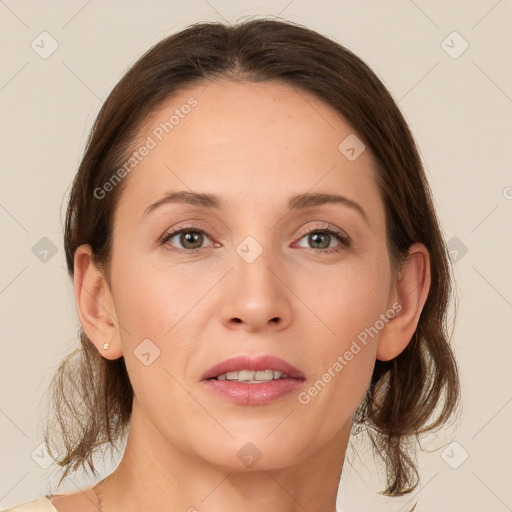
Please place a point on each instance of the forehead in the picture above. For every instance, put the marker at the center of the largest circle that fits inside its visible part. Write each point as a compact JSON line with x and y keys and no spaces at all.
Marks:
{"x":252,"y":143}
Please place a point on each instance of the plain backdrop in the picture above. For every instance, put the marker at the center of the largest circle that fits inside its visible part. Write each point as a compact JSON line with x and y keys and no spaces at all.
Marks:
{"x":448,"y":66}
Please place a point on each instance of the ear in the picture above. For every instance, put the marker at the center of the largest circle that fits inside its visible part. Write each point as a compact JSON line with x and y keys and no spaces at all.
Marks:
{"x":95,"y":304}
{"x":410,"y":291}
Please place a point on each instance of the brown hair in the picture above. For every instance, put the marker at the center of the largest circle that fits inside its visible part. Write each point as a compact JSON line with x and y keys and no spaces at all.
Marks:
{"x":93,"y":396}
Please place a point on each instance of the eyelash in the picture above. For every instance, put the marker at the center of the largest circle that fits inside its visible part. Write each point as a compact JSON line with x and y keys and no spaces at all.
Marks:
{"x":341,"y":236}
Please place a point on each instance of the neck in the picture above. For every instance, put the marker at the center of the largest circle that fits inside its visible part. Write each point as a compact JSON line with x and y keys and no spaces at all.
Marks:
{"x":155,"y":475}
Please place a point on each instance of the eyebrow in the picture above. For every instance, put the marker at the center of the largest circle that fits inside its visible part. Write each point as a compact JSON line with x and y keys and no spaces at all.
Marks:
{"x":298,"y":202}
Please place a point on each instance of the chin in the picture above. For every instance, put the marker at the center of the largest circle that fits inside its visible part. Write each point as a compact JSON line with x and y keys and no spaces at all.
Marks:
{"x":260,"y":454}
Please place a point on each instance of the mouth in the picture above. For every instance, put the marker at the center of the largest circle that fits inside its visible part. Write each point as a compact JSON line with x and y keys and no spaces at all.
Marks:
{"x":253,"y":380}
{"x":252,"y":377}
{"x":244,"y":368}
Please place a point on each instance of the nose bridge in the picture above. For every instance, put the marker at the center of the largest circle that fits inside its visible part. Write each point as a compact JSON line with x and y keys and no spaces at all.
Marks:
{"x":255,"y":264}
{"x":257,"y":295}
{"x":253,"y":236}
{"x":258,"y":236}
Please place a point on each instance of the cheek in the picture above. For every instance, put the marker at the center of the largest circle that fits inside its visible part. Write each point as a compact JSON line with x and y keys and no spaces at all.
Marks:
{"x":346,"y":300}
{"x":347,"y":321}
{"x":148,"y":303}
{"x":158,"y":305}
{"x":149,"y":308}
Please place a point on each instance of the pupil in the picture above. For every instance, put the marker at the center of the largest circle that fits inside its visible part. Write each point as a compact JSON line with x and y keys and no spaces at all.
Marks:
{"x":190,"y":236}
{"x":314,"y":238}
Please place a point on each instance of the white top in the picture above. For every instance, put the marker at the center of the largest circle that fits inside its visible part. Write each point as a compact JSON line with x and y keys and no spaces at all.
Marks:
{"x":41,"y":505}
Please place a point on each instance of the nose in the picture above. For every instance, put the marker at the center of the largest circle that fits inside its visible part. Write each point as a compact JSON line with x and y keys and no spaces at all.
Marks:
{"x":258,"y":296}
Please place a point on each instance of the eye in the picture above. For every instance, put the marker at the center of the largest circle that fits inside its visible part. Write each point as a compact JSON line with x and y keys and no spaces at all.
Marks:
{"x":321,"y":238}
{"x":190,"y":238}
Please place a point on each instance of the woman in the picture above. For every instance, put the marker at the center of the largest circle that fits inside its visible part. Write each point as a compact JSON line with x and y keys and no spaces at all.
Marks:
{"x":258,"y":271}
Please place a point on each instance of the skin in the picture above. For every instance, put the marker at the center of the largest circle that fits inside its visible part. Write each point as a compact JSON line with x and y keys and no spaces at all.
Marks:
{"x":254,"y":145}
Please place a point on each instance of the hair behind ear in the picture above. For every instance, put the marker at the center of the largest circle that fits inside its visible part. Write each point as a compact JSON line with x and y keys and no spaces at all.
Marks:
{"x":92,"y":400}
{"x":403,"y":401}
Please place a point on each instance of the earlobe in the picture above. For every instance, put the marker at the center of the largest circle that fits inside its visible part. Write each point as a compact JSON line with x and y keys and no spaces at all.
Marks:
{"x":95,"y":305}
{"x":412,"y":289}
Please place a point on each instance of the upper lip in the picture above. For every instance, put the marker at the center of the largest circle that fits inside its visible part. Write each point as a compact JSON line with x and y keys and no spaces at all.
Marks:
{"x":254,"y":363}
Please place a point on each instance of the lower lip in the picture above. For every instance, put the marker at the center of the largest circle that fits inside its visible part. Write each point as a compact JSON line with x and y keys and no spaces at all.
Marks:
{"x":254,"y":394}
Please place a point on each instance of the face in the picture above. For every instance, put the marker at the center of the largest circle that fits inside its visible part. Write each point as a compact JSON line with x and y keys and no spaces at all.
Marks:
{"x":195,"y":284}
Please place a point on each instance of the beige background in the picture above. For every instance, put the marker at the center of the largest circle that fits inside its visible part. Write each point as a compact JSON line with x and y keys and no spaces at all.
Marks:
{"x":459,"y":110}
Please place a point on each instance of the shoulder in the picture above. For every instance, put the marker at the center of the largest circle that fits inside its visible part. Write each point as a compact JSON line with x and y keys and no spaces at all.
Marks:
{"x":41,"y":505}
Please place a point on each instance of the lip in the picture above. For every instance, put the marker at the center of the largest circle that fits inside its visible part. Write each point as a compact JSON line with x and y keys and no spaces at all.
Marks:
{"x":256,"y":393}
{"x":258,"y":363}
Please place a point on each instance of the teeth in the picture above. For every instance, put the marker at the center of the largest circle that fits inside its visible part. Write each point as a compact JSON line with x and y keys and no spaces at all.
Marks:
{"x":250,"y":376}
{"x":264,"y":375}
{"x":245,"y":375}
